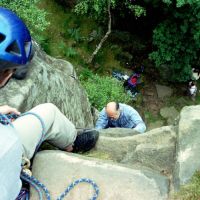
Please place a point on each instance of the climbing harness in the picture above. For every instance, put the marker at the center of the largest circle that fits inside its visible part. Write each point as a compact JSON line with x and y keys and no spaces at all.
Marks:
{"x":26,"y":174}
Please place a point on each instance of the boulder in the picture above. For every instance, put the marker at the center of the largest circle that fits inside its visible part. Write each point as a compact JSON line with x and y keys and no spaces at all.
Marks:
{"x":188,"y":145}
{"x":169,"y":113}
{"x":155,"y":124}
{"x":154,"y":149}
{"x":163,"y":91}
{"x":50,"y":80}
{"x":118,"y":132}
{"x":56,"y":170}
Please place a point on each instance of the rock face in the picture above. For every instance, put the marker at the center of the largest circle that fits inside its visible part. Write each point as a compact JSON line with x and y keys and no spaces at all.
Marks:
{"x":137,"y":166}
{"x":169,"y":113}
{"x":143,"y":166}
{"x":154,"y":149}
{"x":188,"y":145}
{"x":163,"y":91}
{"x":50,"y":80}
{"x":114,"y":182}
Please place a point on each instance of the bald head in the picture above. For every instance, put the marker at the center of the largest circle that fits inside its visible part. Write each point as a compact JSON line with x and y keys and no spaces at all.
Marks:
{"x":112,"y":110}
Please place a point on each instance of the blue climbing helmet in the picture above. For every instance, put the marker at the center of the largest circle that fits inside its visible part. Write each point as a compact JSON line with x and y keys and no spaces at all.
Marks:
{"x":15,"y":41}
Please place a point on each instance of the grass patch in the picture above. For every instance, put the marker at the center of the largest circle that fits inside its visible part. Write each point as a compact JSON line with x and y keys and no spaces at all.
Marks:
{"x":103,"y":89}
{"x":99,"y":155}
{"x":190,"y":191}
{"x":67,"y":33}
{"x":151,"y":118}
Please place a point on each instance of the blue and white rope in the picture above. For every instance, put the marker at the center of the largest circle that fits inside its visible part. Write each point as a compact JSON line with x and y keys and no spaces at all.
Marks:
{"x":39,"y":187}
{"x":43,"y":127}
{"x":23,"y":195}
{"x":81,"y":180}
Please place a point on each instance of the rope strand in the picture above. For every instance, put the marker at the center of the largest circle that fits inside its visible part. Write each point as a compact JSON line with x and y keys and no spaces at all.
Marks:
{"x":39,"y":187}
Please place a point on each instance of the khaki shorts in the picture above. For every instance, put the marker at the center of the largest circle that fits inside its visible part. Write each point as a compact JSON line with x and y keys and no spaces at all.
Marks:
{"x":59,"y":131}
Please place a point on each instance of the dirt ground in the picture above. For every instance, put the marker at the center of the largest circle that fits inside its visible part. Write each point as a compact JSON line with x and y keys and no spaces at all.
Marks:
{"x":151,"y":102}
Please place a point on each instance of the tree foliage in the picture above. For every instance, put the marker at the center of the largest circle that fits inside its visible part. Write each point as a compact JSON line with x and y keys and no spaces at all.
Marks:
{"x":98,"y":8}
{"x":177,"y":40}
{"x":29,"y":12}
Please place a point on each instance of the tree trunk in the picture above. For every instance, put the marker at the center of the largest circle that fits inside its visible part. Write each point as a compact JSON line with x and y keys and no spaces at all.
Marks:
{"x":104,"y":38}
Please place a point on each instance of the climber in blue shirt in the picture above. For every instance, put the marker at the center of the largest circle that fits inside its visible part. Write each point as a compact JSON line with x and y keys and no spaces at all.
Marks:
{"x":120,"y":115}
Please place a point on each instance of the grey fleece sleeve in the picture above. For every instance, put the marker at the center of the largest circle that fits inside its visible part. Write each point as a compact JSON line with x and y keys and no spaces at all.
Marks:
{"x":102,"y":121}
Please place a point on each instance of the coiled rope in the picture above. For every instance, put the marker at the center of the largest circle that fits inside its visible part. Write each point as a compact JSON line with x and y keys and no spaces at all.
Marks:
{"x":39,"y":187}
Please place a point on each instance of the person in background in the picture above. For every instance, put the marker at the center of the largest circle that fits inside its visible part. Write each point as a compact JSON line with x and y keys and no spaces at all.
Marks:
{"x":120,"y":115}
{"x":192,"y":89}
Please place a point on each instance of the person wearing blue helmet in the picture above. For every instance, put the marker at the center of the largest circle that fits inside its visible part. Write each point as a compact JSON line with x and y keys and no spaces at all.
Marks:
{"x":15,"y":47}
{"x":23,"y":134}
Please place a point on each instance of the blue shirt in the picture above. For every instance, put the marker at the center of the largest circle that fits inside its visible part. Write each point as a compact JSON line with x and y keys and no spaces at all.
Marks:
{"x":129,"y":118}
{"x":10,"y":163}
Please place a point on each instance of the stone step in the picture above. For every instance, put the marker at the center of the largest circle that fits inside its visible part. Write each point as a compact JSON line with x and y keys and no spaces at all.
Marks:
{"x":58,"y":169}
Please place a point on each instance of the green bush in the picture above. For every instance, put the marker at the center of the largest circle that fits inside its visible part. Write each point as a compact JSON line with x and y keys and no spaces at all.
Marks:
{"x":70,"y":52}
{"x":177,"y":41}
{"x":75,"y":34}
{"x":28,"y":11}
{"x":86,"y":74}
{"x":103,"y":89}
